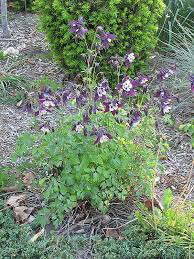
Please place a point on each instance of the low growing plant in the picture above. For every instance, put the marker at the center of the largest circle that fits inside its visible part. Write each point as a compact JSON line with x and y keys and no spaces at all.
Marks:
{"x":136,"y":244}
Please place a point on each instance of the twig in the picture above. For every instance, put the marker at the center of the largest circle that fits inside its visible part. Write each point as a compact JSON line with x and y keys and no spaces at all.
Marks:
{"x":128,"y":223}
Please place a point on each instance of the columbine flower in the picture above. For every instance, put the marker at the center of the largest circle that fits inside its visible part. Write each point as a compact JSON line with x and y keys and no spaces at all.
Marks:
{"x":129,"y":58}
{"x":41,"y":111}
{"x":143,"y":80}
{"x":112,"y":106}
{"x":165,"y":100}
{"x":192,"y":83}
{"x":27,"y":107}
{"x":105,"y":37}
{"x":78,"y":127}
{"x":165,"y":73}
{"x":127,"y":86}
{"x":115,"y":62}
{"x":81,"y":98}
{"x":45,"y":128}
{"x":165,"y":107}
{"x":102,"y":90}
{"x":135,"y":120}
{"x":102,"y":136}
{"x":86,"y":117}
{"x":78,"y":28}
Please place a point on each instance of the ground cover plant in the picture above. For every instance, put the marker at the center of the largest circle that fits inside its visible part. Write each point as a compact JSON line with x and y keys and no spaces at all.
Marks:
{"x":140,"y":33}
{"x":136,"y":243}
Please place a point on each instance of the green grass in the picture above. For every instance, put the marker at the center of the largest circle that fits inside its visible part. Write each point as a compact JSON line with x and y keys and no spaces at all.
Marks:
{"x":177,"y":12}
{"x":13,"y":89}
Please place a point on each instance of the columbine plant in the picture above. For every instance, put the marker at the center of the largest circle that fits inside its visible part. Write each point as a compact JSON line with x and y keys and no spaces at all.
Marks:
{"x":98,"y":153}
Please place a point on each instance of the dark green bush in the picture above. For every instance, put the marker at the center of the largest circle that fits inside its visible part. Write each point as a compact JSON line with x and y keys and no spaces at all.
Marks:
{"x":135,"y":24}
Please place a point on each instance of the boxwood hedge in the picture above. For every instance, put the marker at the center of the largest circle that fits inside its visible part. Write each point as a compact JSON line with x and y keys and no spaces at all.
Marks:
{"x":134,"y":22}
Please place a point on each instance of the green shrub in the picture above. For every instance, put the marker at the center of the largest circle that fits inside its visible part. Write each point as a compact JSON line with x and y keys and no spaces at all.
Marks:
{"x":135,"y":23}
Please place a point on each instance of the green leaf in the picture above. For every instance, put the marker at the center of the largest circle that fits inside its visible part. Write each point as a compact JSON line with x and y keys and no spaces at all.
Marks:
{"x":168,"y":198}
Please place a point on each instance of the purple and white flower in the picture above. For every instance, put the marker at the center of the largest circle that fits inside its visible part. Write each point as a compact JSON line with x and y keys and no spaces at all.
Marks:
{"x":102,"y":90}
{"x":106,"y":38}
{"x":127,"y":86}
{"x":192,"y":83}
{"x":78,"y":28}
{"x":115,"y":62}
{"x":135,"y":120}
{"x":112,"y":106}
{"x":45,"y":128}
{"x":130,"y":58}
{"x":78,"y":127}
{"x":165,"y":100}
{"x":102,"y":136}
{"x":166,"y":73}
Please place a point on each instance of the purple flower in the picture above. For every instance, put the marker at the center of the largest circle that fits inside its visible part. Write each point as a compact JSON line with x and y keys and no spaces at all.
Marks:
{"x":41,"y":111}
{"x":86,"y":117}
{"x":129,"y":58}
{"x":105,"y":37}
{"x":135,"y":120}
{"x":45,"y":128}
{"x":165,"y":107}
{"x":143,"y":80}
{"x":102,"y":136}
{"x":115,"y":62}
{"x":78,"y":127}
{"x":165,"y":73}
{"x":27,"y":107}
{"x":47,"y":101}
{"x":112,"y":106}
{"x":81,"y":98}
{"x":192,"y":83}
{"x":102,"y":90}
{"x":165,"y":100}
{"x":127,"y":86}
{"x":78,"y":28}
{"x":163,"y":93}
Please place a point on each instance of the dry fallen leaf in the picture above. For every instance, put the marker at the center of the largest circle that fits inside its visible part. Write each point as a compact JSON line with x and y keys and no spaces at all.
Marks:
{"x":22,"y":213}
{"x":15,"y":200}
{"x":113,"y":232}
{"x":157,"y":203}
{"x":28,"y":179}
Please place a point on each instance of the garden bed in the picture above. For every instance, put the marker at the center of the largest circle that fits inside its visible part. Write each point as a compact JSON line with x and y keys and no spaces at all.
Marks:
{"x":34,"y":61}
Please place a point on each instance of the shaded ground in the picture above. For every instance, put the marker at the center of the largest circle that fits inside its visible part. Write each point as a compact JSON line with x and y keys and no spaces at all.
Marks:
{"x":34,"y":61}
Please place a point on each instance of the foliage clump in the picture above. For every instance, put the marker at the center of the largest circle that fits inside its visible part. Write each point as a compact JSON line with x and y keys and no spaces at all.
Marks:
{"x":135,"y":24}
